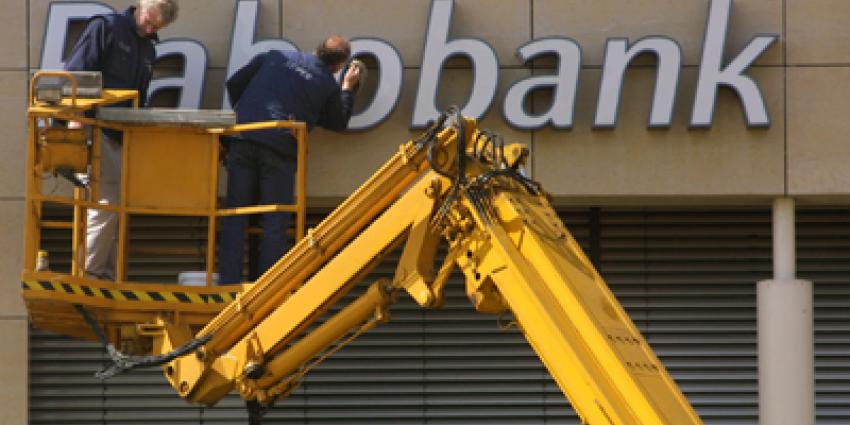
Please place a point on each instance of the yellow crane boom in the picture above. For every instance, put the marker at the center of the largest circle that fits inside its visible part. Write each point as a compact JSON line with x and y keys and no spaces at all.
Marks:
{"x":457,"y":186}
{"x":505,"y":237}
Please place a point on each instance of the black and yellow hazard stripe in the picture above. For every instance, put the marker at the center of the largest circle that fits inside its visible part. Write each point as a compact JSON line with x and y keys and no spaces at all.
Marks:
{"x":179,"y":297}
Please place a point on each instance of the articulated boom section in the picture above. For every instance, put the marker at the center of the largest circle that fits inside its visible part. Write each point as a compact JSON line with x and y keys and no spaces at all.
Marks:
{"x":460,"y":185}
{"x":527,"y":261}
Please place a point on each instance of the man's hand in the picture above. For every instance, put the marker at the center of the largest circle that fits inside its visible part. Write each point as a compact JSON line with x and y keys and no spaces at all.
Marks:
{"x":352,"y":77}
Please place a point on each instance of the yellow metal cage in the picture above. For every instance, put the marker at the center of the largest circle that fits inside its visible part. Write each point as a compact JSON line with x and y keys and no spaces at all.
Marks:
{"x":169,"y":168}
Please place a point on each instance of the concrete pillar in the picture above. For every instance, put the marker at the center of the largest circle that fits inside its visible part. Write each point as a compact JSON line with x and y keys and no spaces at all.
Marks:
{"x":785,"y":332}
{"x":784,"y":240}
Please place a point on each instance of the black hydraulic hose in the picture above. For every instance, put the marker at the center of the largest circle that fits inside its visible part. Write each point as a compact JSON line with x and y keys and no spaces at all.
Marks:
{"x":479,"y":202}
{"x":431,"y":140}
{"x":434,"y":165}
{"x":122,"y":362}
{"x":461,"y":148}
{"x":92,"y":324}
{"x":434,"y":127}
{"x":255,"y":412}
{"x":478,"y":137}
{"x":474,"y":190}
{"x":455,"y":190}
{"x":529,"y":185}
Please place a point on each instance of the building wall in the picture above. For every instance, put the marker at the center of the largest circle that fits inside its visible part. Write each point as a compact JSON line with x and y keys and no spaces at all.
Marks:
{"x":801,"y":153}
{"x":802,"y":77}
{"x":13,"y":322}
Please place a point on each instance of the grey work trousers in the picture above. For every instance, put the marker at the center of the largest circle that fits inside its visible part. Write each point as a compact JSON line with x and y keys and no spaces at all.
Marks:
{"x":102,"y":226}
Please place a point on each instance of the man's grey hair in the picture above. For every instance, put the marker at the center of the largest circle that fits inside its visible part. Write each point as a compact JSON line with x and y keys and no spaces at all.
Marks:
{"x":167,"y":8}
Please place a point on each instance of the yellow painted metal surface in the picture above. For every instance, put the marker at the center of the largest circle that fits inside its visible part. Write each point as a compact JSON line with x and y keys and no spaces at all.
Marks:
{"x":515,"y":253}
{"x":167,"y":169}
{"x":454,"y":184}
{"x":58,"y":149}
{"x":50,"y":298}
{"x":175,"y":169}
{"x":570,"y":317}
{"x":372,"y":304}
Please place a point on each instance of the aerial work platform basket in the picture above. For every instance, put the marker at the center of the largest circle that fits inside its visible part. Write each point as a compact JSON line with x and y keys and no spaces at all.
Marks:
{"x":170,"y":167}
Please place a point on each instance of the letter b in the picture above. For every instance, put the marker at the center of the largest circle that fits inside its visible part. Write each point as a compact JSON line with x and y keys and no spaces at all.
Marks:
{"x":437,"y":50}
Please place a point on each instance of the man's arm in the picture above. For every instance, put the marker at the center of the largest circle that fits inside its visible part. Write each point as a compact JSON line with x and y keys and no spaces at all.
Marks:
{"x":143,"y":93}
{"x":238,"y":82}
{"x":337,"y":111}
{"x":87,"y":54}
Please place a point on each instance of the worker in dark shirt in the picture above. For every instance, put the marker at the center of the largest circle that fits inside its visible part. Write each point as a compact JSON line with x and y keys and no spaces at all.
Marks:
{"x":121,"y":47}
{"x":278,"y":85}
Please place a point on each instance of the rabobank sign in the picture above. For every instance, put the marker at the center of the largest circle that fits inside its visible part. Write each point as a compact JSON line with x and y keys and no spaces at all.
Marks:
{"x":714,"y":72}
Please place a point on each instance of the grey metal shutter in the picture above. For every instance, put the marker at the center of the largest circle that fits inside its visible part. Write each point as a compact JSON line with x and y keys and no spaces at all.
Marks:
{"x":687,"y":278}
{"x":62,"y":386}
{"x":823,"y":256}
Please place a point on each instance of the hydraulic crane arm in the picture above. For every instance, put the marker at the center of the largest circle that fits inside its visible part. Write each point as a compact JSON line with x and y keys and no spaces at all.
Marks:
{"x":526,"y":260}
{"x":461,"y":185}
{"x":270,"y":314}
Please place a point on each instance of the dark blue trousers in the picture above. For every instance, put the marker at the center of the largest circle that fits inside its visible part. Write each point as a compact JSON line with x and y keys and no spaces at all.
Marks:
{"x":255,"y":174}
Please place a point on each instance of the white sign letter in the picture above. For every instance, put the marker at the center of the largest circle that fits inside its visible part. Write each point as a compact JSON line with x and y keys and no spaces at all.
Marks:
{"x":191,"y":83}
{"x":711,"y":76}
{"x":564,"y":82}
{"x":437,"y":50}
{"x":617,"y":57}
{"x":391,"y":72}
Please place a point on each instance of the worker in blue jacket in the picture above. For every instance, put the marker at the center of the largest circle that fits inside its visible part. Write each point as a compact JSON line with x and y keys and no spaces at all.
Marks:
{"x":278,"y":85}
{"x":121,"y":47}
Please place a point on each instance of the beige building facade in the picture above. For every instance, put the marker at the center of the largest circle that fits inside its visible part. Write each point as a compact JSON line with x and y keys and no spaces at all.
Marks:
{"x":801,"y":79}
